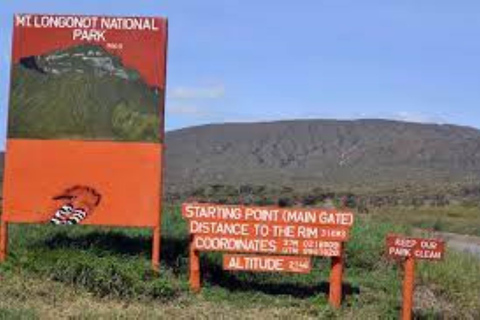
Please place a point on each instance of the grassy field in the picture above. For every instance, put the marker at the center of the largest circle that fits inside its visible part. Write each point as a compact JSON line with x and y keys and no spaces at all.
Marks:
{"x":458,"y":219}
{"x":86,"y":272}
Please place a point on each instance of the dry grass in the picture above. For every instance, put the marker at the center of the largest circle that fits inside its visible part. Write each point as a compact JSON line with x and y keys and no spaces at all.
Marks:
{"x":22,"y":296}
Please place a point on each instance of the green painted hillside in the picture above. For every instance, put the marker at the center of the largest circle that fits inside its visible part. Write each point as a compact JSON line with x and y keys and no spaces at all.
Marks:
{"x":82,"y":93}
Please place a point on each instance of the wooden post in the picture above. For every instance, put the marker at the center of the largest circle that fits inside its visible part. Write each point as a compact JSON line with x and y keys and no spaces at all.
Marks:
{"x":408,"y":287}
{"x":336,"y":277}
{"x":194,"y":268}
{"x":156,"y":249}
{"x":157,"y":229}
{"x":3,"y":240}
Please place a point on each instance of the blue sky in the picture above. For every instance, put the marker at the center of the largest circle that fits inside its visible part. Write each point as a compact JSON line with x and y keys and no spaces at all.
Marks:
{"x":246,"y":60}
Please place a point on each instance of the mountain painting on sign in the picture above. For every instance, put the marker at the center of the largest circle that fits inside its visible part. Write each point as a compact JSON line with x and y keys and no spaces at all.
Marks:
{"x":82,"y":92}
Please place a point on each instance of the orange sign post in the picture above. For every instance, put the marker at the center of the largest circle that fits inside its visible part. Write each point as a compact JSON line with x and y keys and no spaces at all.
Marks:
{"x":336,"y":277}
{"x":287,"y":238}
{"x":3,"y":240}
{"x":410,"y":249}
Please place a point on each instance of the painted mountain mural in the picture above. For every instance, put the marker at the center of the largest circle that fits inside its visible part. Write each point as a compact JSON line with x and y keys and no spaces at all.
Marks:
{"x":84,"y":93}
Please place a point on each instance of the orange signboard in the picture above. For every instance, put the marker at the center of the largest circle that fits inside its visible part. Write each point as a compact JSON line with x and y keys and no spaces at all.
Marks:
{"x":202,"y":211}
{"x":418,"y":248}
{"x":262,"y":245}
{"x":86,"y":122}
{"x":267,"y":263}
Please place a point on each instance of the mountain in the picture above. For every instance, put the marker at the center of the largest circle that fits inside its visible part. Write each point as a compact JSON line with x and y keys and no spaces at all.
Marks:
{"x":82,"y":92}
{"x":322,"y":153}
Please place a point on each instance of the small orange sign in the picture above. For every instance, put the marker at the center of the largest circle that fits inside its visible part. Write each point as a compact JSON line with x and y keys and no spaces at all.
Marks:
{"x":267,"y":263}
{"x":411,"y":249}
{"x":418,"y":248}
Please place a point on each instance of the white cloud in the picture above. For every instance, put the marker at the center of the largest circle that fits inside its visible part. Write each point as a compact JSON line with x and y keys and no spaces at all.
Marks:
{"x":417,"y":117}
{"x":186,"y":110}
{"x":189,"y":93}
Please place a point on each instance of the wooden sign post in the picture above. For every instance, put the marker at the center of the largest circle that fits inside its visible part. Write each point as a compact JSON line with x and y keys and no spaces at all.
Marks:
{"x":287,"y":238}
{"x":410,"y":249}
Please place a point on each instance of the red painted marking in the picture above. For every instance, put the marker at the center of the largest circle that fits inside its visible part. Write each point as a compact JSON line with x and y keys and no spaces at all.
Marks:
{"x":267,"y":263}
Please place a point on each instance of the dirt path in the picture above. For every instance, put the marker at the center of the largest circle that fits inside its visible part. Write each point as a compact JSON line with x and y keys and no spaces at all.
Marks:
{"x":460,"y":242}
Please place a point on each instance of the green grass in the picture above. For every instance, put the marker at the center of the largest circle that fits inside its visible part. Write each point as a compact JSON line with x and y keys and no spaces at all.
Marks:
{"x":87,"y":272}
{"x":454,"y":218}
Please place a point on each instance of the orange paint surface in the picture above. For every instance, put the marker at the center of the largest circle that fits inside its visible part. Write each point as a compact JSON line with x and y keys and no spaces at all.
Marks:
{"x":127,"y":176}
{"x":418,"y":248}
{"x":267,"y":263}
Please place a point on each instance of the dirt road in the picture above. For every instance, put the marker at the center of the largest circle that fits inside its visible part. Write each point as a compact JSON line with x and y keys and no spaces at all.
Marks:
{"x":460,"y":242}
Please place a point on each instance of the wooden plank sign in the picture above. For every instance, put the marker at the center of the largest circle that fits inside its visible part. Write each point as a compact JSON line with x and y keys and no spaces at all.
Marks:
{"x":418,"y":248}
{"x":205,"y":211}
{"x":267,"y":263}
{"x":259,"y":245}
{"x":255,"y":230}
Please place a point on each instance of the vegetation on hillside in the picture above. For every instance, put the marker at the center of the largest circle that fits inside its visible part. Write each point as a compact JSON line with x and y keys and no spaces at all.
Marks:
{"x":338,"y":155}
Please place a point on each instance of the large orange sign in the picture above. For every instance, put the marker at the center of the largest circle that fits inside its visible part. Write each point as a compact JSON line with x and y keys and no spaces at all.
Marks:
{"x":86,"y":121}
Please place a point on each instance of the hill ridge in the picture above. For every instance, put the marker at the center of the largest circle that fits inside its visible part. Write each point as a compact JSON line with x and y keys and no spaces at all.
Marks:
{"x":318,"y":153}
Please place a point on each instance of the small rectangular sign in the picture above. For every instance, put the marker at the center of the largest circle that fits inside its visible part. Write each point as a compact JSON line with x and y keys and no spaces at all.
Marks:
{"x":273,"y":246}
{"x":419,"y":248}
{"x":267,"y":263}
{"x":291,"y":216}
{"x":264,"y":230}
